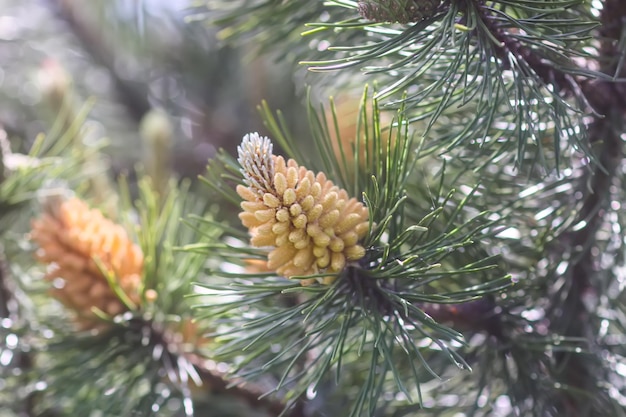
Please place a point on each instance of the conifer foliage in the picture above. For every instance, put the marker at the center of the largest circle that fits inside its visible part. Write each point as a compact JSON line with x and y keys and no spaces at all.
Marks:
{"x":450,"y":246}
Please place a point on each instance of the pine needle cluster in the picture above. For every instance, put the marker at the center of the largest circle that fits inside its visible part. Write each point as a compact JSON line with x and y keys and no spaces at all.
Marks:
{"x":451,"y":247}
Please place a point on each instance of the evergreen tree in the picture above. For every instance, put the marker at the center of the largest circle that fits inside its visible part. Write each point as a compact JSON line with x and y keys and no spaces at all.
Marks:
{"x":443,"y":238}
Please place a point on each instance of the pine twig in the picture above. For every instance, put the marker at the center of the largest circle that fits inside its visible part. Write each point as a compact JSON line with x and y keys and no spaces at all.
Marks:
{"x":217,"y":382}
{"x":599,"y":95}
{"x":605,"y":130}
{"x":606,"y":99}
{"x":478,"y":315}
{"x":103,"y":52}
{"x":597,"y":183}
{"x":5,"y":292}
{"x":593,"y":93}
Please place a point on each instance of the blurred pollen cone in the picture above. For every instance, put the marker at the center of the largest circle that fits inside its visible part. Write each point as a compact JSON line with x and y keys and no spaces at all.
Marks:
{"x":76,"y":241}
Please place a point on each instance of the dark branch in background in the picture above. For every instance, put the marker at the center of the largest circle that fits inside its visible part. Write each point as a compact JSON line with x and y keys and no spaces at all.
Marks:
{"x":132,"y":95}
{"x":595,"y":94}
{"x":5,"y":292}
{"x":605,"y":132}
{"x":3,"y":140}
{"x":570,"y":314}
{"x":476,"y":315}
{"x":189,"y":157}
{"x":572,"y":311}
{"x":218,"y":382}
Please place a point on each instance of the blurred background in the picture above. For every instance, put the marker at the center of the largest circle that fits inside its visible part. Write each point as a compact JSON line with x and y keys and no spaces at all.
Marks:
{"x":140,"y":73}
{"x":124,"y":60}
{"x":131,"y":72}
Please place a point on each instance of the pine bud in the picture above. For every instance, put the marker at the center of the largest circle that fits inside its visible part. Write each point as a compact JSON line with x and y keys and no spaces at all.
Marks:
{"x":312,"y":224}
{"x":54,"y":81}
{"x":397,"y":11}
{"x":157,"y":134}
{"x":76,"y":241}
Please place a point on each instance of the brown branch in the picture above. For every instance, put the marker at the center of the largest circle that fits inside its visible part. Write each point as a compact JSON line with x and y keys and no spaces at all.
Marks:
{"x":478,"y":315}
{"x":6,"y":295}
{"x":218,"y":382}
{"x":570,"y":315}
{"x":214,"y":380}
{"x":133,"y":94}
{"x":606,"y":132}
{"x":598,"y":95}
{"x":597,"y":192}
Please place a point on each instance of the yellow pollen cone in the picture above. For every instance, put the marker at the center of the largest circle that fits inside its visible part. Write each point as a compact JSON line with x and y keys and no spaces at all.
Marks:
{"x":312,"y":225}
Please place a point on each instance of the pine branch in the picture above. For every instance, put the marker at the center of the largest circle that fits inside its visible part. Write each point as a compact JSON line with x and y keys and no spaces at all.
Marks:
{"x":474,"y":316}
{"x":597,"y":189}
{"x":389,"y":296}
{"x":605,"y":131}
{"x":597,"y":94}
{"x":133,"y":97}
{"x":5,"y":293}
{"x":218,"y":382}
{"x":545,"y":69}
{"x":213,"y":380}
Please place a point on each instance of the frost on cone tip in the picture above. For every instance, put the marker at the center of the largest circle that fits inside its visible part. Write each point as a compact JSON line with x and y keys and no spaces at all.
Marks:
{"x":257,"y":163}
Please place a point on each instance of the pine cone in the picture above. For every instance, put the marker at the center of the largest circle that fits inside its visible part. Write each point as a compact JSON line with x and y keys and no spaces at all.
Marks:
{"x":312,"y":224}
{"x":397,"y":11}
{"x":73,"y":239}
